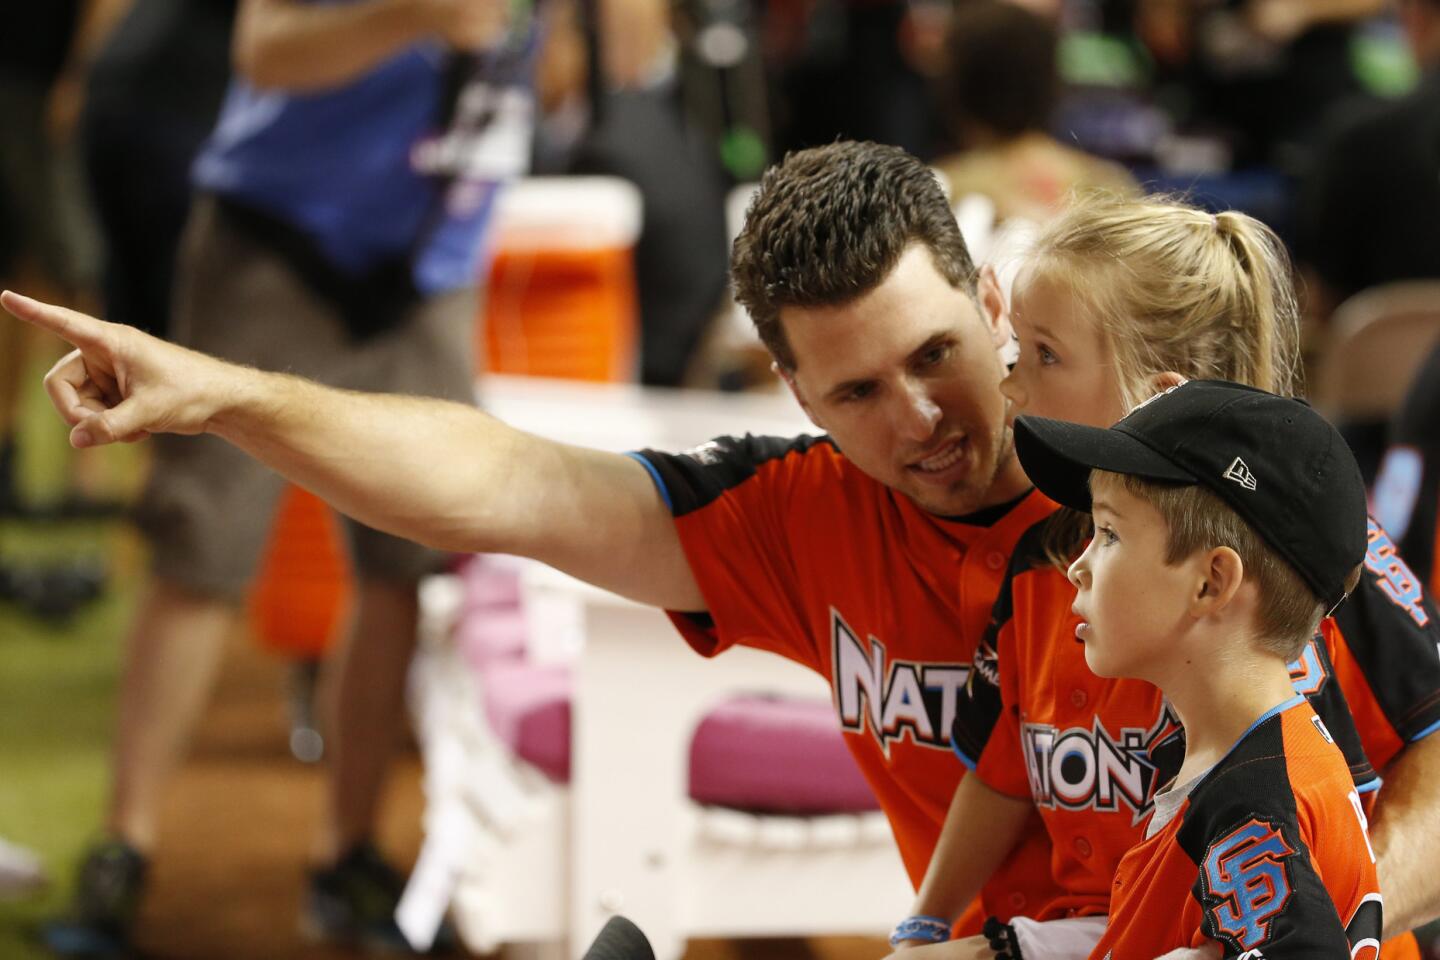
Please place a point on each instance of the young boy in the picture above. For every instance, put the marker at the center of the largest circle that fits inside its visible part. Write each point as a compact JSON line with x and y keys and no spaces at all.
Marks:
{"x":1228,"y":521}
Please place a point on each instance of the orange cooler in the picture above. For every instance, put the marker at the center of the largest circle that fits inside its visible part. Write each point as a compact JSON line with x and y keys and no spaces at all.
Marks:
{"x":561,"y":300}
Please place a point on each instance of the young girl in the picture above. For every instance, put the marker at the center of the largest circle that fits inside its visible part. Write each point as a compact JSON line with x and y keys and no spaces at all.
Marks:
{"x":1118,"y":301}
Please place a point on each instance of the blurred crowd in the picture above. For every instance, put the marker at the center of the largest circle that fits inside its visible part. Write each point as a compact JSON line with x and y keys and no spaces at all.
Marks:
{"x":185,"y":165}
{"x":1312,"y":115}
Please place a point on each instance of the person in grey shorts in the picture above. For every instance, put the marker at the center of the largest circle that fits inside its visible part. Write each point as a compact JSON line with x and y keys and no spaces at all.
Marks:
{"x":342,"y":204}
{"x":206,"y":508}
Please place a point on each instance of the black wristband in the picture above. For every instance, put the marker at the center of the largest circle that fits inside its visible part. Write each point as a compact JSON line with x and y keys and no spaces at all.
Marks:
{"x":1002,"y":939}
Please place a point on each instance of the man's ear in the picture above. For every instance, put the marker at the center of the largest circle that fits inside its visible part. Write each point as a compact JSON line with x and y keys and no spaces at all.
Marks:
{"x":994,"y":306}
{"x":788,"y":376}
{"x":1221,"y":574}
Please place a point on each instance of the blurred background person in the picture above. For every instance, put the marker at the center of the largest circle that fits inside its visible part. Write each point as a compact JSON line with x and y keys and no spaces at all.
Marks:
{"x":140,"y":127}
{"x":48,"y":240}
{"x":1369,"y":207}
{"x":340,"y":218}
{"x":838,"y":69}
{"x":1261,"y":73}
{"x":629,"y":119}
{"x":997,"y":88}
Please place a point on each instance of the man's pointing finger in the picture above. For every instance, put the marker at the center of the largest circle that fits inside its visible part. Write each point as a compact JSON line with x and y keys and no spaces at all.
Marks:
{"x":80,"y":330}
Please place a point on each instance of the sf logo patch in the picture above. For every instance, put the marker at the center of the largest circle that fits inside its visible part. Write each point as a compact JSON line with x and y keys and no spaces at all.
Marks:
{"x":1245,"y":882}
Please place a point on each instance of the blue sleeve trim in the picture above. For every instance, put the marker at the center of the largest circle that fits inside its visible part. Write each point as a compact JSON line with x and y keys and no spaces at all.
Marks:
{"x":969,"y":764}
{"x":1426,"y":732}
{"x":1369,"y":786}
{"x":654,"y":475}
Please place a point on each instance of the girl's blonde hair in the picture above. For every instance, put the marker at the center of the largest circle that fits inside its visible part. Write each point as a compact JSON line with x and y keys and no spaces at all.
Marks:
{"x":1209,"y":296}
{"x":1171,"y":287}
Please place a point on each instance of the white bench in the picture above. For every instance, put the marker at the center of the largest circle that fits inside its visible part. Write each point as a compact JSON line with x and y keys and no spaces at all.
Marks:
{"x":527,"y":861}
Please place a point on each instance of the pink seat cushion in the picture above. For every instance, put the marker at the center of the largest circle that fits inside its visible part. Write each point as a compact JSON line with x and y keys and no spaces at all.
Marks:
{"x":487,"y":584}
{"x":770,"y":754}
{"x":529,"y":709}
{"x":492,"y":617}
{"x":776,"y":754}
{"x":490,"y":637}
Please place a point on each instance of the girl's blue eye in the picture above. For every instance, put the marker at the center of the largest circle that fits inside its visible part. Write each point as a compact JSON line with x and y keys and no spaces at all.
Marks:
{"x":1046,"y":355}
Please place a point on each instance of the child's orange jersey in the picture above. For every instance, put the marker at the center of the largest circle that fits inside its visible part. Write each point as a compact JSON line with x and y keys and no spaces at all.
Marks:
{"x":798,"y":552}
{"x":1092,"y":752}
{"x":1266,"y":856}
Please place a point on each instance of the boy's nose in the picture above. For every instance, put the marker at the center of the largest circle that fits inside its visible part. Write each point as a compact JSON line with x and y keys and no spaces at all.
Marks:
{"x":1079,"y":571}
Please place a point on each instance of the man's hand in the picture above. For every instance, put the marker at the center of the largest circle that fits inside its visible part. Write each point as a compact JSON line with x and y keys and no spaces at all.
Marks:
{"x":121,"y":385}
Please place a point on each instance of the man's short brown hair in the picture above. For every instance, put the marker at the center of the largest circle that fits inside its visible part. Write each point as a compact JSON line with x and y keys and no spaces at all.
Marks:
{"x":828,"y":224}
{"x":1197,"y":519}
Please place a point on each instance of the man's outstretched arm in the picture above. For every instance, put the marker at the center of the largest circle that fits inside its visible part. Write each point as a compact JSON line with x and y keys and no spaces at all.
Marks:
{"x":441,"y":473}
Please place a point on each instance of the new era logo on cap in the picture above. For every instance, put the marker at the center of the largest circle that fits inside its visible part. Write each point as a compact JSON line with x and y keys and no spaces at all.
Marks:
{"x":1240,"y":473}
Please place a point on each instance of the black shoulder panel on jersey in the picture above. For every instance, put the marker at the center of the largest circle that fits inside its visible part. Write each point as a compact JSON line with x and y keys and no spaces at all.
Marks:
{"x":1418,"y":426}
{"x":1252,"y":775}
{"x":979,"y":711}
{"x":1364,"y":927}
{"x":1420,"y":413}
{"x":1316,"y":682}
{"x":1255,"y":883}
{"x":696,"y":478}
{"x":1418,"y":546}
{"x":1029,"y":552}
{"x":1393,"y":632}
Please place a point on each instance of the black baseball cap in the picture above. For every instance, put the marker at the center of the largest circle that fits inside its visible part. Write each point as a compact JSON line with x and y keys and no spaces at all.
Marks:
{"x":1280,"y":465}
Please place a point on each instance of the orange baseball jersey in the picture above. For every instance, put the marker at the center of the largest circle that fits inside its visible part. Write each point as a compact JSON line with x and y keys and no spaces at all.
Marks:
{"x":1092,"y":752}
{"x":798,"y":552}
{"x":1266,"y":855}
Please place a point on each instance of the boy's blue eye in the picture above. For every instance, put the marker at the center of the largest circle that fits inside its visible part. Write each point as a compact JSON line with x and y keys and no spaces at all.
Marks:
{"x":1046,"y":355}
{"x":1106,"y":535}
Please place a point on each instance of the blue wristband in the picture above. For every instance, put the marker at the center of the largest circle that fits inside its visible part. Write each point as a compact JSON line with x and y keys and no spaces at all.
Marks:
{"x":927,"y":929}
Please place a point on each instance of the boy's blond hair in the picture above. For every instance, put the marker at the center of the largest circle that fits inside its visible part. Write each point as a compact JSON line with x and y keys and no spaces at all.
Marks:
{"x":1197,"y":519}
